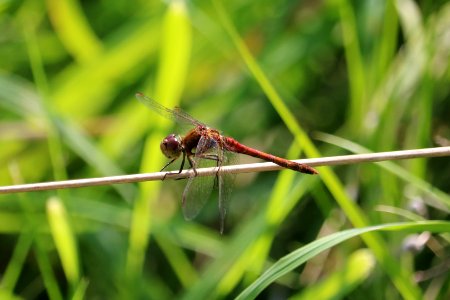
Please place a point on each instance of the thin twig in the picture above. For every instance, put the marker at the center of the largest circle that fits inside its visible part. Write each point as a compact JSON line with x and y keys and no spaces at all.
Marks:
{"x":247,"y":168}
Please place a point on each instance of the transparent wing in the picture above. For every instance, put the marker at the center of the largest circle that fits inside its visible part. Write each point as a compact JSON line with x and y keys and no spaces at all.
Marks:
{"x":198,"y":189}
{"x":226,"y":182}
{"x":176,"y":114}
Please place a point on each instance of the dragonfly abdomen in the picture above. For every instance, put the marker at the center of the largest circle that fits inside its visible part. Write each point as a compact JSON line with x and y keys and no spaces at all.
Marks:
{"x":235,"y":146}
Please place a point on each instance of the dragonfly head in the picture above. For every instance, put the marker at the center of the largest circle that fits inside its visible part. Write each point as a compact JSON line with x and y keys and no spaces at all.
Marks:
{"x":171,"y":146}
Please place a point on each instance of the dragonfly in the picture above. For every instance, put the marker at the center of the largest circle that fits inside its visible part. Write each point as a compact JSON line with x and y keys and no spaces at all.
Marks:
{"x":204,"y":146}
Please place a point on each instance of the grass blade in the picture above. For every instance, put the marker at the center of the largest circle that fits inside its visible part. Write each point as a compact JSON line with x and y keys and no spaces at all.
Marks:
{"x":301,"y":255}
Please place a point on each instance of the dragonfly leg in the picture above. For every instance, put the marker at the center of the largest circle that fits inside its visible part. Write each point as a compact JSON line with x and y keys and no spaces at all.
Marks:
{"x":182,"y":163}
{"x":170,"y":162}
{"x":193,"y":167}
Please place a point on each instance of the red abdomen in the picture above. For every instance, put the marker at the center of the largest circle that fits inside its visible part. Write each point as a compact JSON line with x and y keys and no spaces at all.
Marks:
{"x":235,"y":146}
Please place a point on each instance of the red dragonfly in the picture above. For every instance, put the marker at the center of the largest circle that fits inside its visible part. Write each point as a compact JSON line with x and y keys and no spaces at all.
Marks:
{"x":204,"y":146}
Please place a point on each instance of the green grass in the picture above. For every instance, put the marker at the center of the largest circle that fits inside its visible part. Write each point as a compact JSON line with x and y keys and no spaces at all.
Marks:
{"x":292,"y":78}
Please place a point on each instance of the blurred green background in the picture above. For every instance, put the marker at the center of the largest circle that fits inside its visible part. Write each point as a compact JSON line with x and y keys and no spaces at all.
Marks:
{"x":294,"y":78}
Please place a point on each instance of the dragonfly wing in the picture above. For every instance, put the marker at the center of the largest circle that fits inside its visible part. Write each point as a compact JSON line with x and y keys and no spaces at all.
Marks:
{"x":226,"y":181}
{"x":176,"y":115}
{"x":198,"y":189}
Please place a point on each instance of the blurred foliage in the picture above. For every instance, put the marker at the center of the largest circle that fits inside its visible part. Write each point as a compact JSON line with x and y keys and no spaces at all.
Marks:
{"x":316,"y":77}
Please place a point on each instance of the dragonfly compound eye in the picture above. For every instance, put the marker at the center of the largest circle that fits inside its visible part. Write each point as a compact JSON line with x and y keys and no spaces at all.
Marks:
{"x":171,"y":146}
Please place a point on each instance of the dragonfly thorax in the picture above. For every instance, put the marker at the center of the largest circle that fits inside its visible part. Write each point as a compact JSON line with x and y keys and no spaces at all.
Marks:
{"x":171,"y":146}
